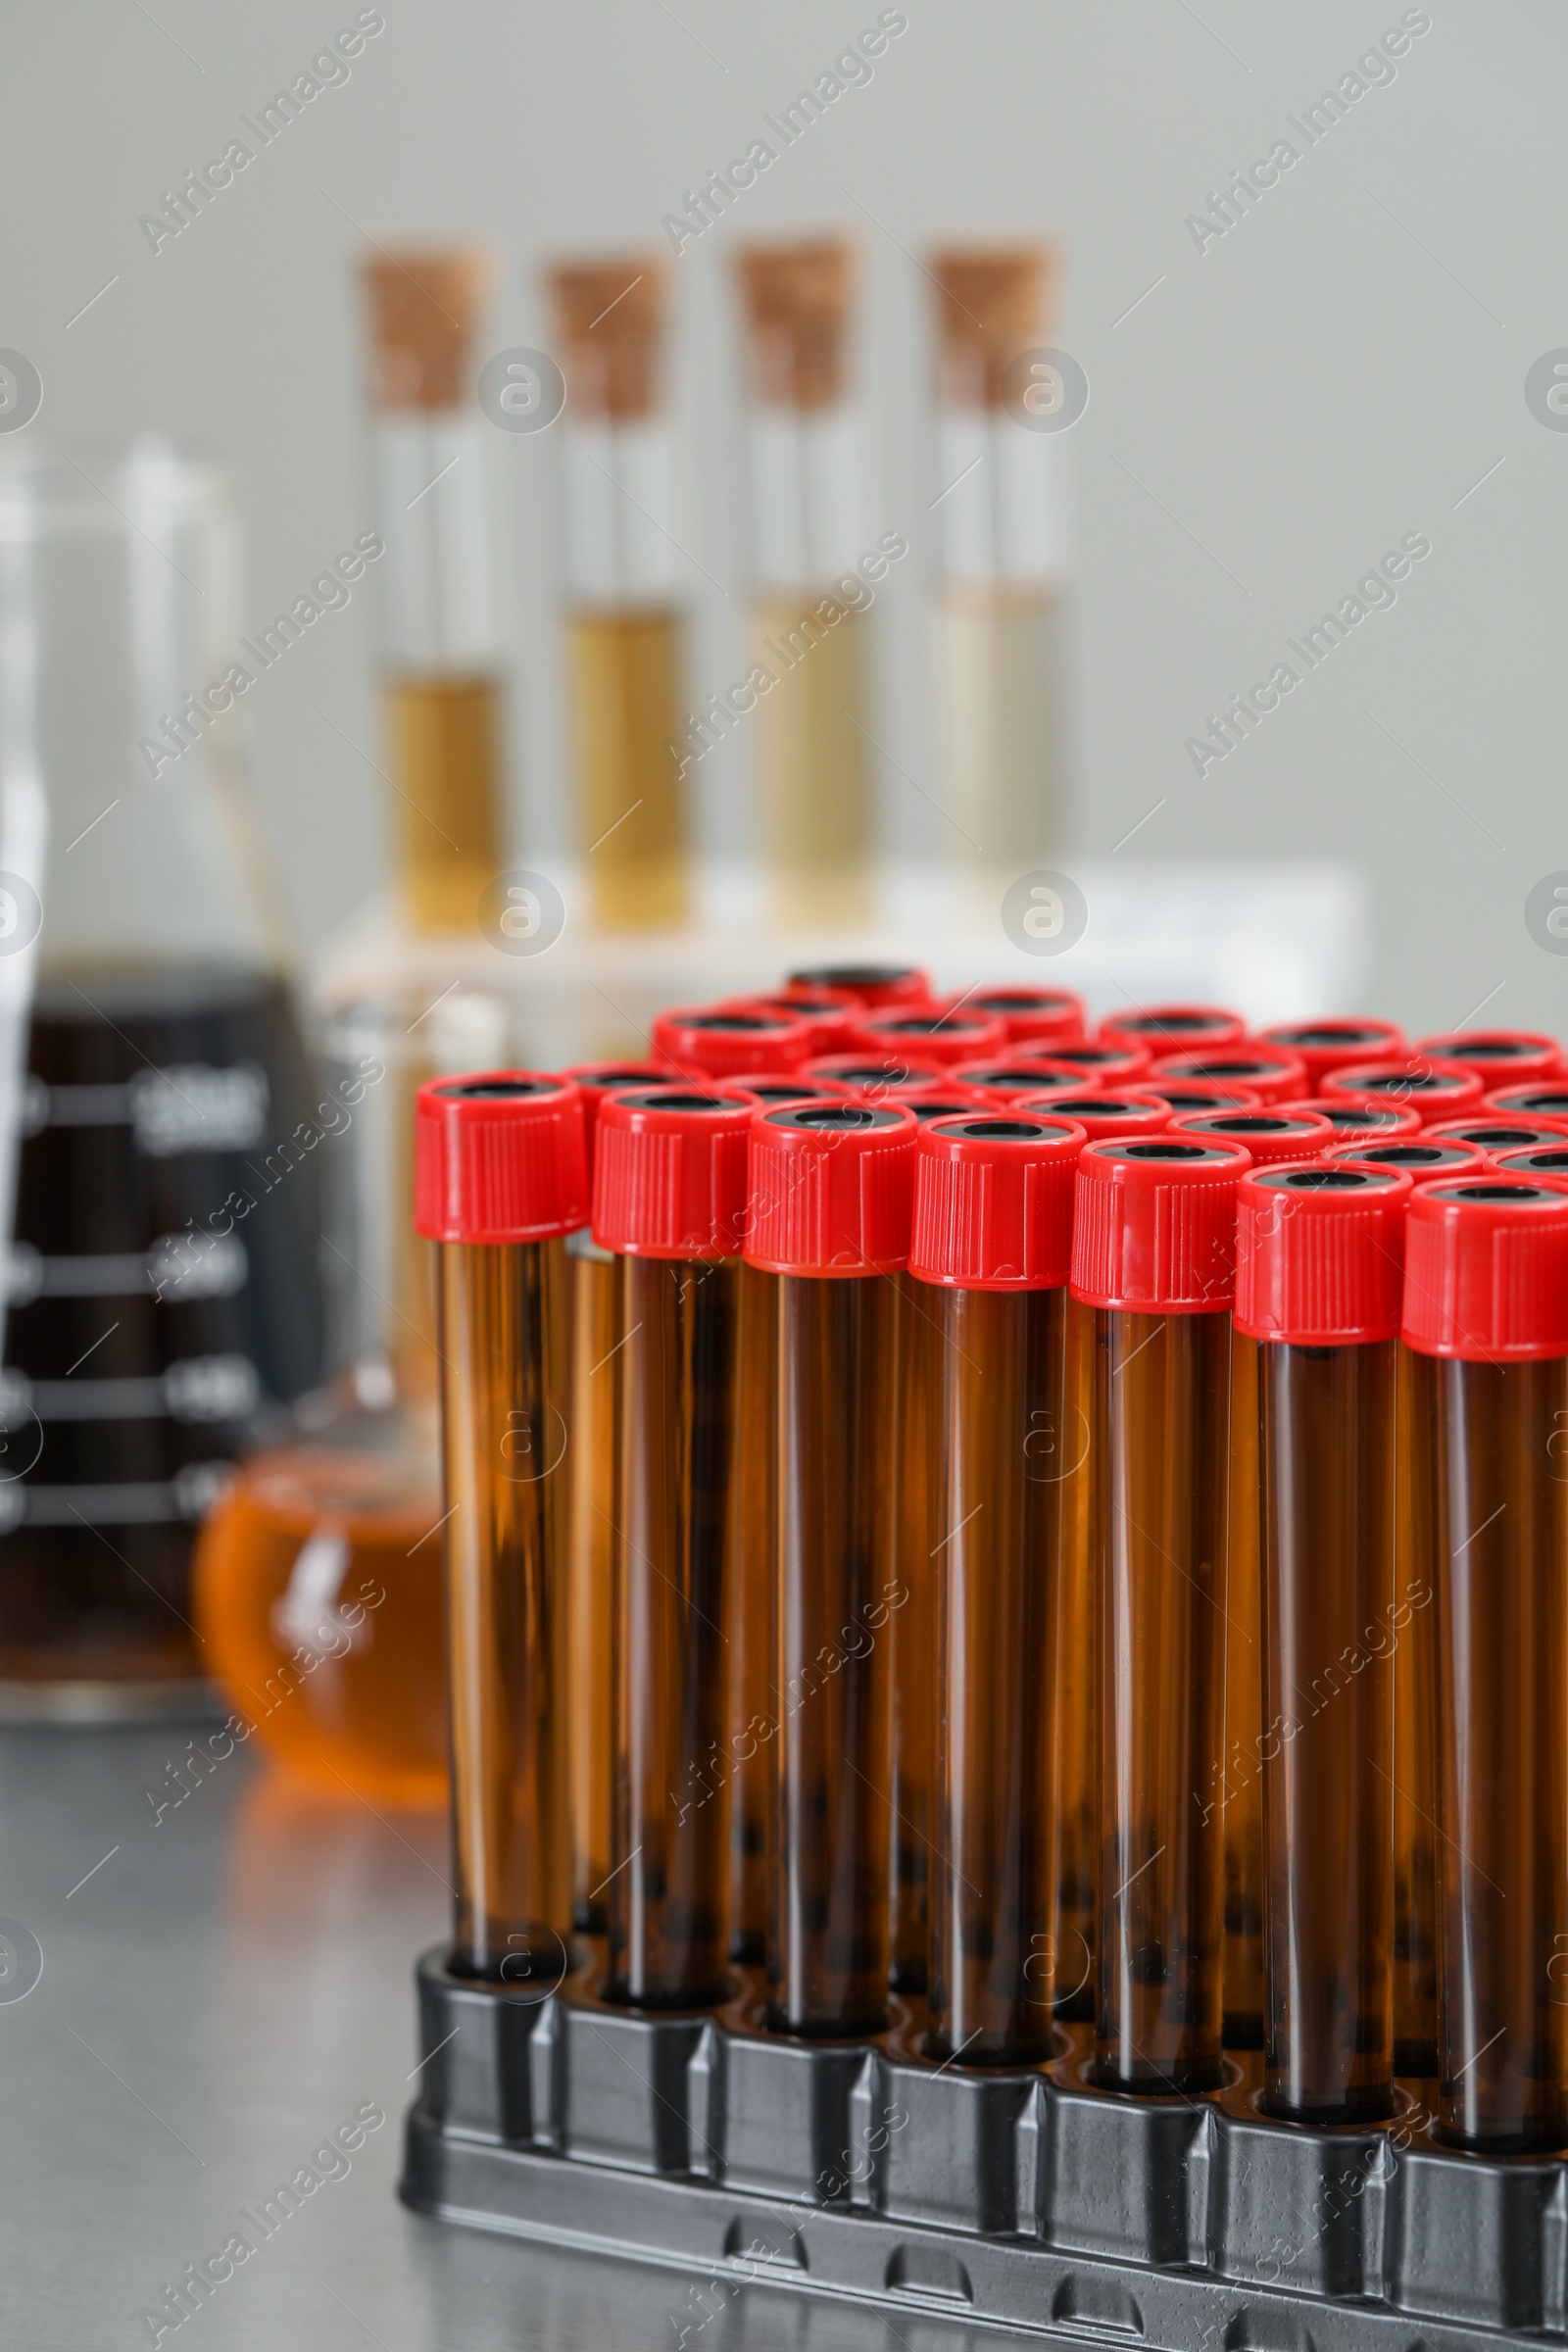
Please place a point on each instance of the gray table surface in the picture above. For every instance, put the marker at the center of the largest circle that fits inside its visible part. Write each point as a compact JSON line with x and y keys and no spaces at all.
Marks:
{"x":221,"y":1989}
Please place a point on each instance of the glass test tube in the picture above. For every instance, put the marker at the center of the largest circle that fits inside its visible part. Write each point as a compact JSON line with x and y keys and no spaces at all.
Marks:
{"x":831,"y":1187}
{"x":669,"y":1201}
{"x":1001,"y":612}
{"x":810,"y":601}
{"x":1319,"y":1253}
{"x":1486,"y":1305}
{"x":442,"y":679}
{"x":992,"y":1233}
{"x":624,"y":618}
{"x":1152,"y":1242}
{"x":595,"y":1328}
{"x":501,"y":1179}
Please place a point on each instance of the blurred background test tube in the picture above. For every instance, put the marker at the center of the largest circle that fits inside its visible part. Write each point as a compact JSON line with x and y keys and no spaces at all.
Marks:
{"x":624,"y":625}
{"x":809,"y":622}
{"x":442,"y":673}
{"x":1002,"y":605}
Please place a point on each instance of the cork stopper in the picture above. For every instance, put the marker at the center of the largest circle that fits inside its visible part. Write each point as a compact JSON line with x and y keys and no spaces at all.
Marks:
{"x":611,"y":318}
{"x":994,"y":301}
{"x":797,"y":300}
{"x":424,"y":313}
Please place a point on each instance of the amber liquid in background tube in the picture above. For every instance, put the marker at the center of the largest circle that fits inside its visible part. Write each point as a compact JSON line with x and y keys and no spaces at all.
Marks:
{"x":1240,"y":1784}
{"x":446,"y":763}
{"x":1415,"y":1719}
{"x":669,"y":1837}
{"x":595,"y":1329}
{"x":994,"y":1878}
{"x":1162,"y":1418}
{"x":624,"y":670}
{"x":505,"y":1341}
{"x":753,"y":1702}
{"x":814,"y":757}
{"x":911,"y":1632}
{"x":1326,"y":1482}
{"x":1502,"y":1639}
{"x":838,"y":1585}
{"x":1074,"y":1679}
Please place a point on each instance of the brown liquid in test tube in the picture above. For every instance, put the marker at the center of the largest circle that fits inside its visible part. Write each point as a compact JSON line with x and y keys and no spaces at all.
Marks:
{"x":624,"y":625}
{"x":596,"y":1329}
{"x":829,"y":1212}
{"x":669,"y":1199}
{"x":992,"y":1240}
{"x":442,"y":688}
{"x":1154,"y":1233}
{"x":1319,"y":1253}
{"x":1486,"y":1305}
{"x":501,"y":1180}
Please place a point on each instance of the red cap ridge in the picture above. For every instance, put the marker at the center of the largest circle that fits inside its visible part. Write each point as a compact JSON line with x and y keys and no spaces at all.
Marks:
{"x":1324,"y":1045}
{"x":831,"y":1189}
{"x":1267,"y":1133}
{"x":1486,"y":1270}
{"x":1154,"y":1225}
{"x":1274,"y":1075}
{"x":1498,"y":1057}
{"x":993,"y":1201}
{"x":1319,"y":1253}
{"x":1106,"y":1117}
{"x":1173,"y":1028}
{"x":599,"y":1078}
{"x":1042,"y":1018}
{"x":718,"y":1041}
{"x":670,"y":1180}
{"x":499,"y":1157}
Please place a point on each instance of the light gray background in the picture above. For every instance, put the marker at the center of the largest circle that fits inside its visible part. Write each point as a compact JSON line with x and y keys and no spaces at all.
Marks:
{"x":1339,"y":369}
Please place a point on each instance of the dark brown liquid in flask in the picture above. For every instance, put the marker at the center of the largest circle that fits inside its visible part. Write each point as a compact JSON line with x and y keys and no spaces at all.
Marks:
{"x":166,"y":1230}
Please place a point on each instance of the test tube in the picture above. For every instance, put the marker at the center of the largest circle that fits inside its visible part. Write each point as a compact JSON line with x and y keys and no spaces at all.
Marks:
{"x":1485,"y":1318}
{"x":442,"y":683}
{"x":1274,"y":1075}
{"x":991,"y":1249}
{"x":669,"y":1201}
{"x":596,"y":1329}
{"x":499,"y":1180}
{"x":1498,"y":1057}
{"x":1269,"y":1136}
{"x":831,"y":1189}
{"x":1434,"y":1090}
{"x":810,"y":601}
{"x":719,"y":1041}
{"x":1153,"y":1235}
{"x":1319,"y":1253}
{"x":1324,"y":1046}
{"x":1173,"y":1028}
{"x":1036,"y":1019}
{"x":623,"y":620}
{"x":1002,"y":606}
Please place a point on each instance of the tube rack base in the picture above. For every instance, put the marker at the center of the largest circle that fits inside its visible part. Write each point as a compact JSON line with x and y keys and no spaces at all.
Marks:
{"x":1023,"y":2198}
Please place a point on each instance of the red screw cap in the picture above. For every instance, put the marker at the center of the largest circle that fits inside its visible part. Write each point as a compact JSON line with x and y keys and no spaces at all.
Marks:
{"x":942,"y":1101}
{"x":1434,"y":1090}
{"x":1543,"y":1163}
{"x":715,"y":1041}
{"x":1105,"y":1118}
{"x":1274,"y":1075}
{"x":830,"y":1013}
{"x":1002,"y":1081}
{"x":1173,"y":1028}
{"x":599,"y":1078}
{"x":499,"y":1157}
{"x":1423,"y":1158}
{"x":1486,"y":1270}
{"x":1319,"y":1253}
{"x":1498,"y":1131}
{"x":1498,"y":1056}
{"x":1269,"y":1135}
{"x":1387,"y":1121}
{"x":775,"y":1086}
{"x":1324,"y":1045}
{"x":1099,"y":1064}
{"x":1537,"y":1102}
{"x":993,"y":1201}
{"x":1154,"y":1225}
{"x":1200,"y":1094}
{"x":934,"y":1034}
{"x":1042,"y":1017}
{"x":872,"y":985}
{"x":878,"y":1075}
{"x":831,"y":1189}
{"x":670,"y":1180}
